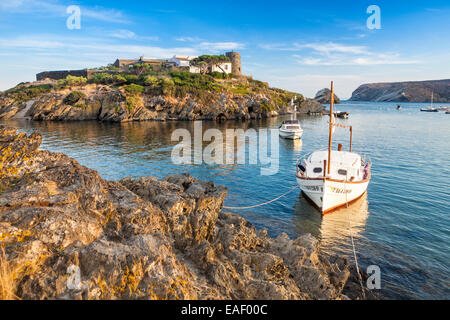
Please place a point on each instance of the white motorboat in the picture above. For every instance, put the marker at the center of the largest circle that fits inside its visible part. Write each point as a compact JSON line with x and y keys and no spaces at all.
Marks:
{"x":290,"y":129}
{"x":333,"y":178}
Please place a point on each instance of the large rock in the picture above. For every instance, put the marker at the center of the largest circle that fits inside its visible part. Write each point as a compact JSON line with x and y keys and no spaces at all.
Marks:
{"x":311,"y":105}
{"x":324,"y":96}
{"x":69,"y":234}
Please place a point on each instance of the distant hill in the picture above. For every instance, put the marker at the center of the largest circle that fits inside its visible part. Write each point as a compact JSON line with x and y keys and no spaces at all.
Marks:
{"x":412,"y":91}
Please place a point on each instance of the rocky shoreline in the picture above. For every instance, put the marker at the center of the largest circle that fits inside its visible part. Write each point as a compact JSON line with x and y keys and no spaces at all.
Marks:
{"x":69,"y":234}
{"x":110,"y":104}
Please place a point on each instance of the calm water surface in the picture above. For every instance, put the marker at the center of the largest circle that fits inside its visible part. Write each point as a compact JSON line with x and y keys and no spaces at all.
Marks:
{"x":402,"y":224}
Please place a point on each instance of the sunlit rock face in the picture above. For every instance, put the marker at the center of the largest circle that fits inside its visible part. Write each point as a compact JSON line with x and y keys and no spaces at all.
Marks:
{"x":69,"y":234}
{"x":235,"y":99}
{"x":412,"y":91}
{"x":324,"y":96}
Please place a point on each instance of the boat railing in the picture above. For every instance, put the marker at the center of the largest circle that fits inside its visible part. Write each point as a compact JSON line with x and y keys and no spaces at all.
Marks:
{"x":302,"y":162}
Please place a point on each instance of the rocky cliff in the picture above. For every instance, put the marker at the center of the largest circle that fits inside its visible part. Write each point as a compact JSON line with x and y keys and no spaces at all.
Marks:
{"x":414,"y":91}
{"x":324,"y":96}
{"x":69,"y":234}
{"x":112,"y":103}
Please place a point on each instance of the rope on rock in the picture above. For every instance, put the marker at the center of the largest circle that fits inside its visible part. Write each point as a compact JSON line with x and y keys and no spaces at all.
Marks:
{"x":262,"y":204}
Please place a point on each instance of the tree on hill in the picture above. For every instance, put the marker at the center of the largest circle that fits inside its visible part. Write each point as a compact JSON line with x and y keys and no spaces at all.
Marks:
{"x":140,"y":68}
{"x":206,"y":62}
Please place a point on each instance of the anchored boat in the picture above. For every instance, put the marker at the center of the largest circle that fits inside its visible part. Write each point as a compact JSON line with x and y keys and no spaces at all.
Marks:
{"x":333,"y":178}
{"x":430,"y":109}
{"x":291,"y":129}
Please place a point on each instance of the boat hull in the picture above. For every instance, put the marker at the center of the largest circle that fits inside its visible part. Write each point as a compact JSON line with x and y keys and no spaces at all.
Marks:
{"x":290,"y":134}
{"x":328,"y":195}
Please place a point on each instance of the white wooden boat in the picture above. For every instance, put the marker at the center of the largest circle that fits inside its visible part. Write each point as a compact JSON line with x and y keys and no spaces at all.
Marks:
{"x":333,"y":178}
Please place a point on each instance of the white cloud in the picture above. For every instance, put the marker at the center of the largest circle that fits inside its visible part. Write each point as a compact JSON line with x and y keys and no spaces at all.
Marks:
{"x":54,"y":8}
{"x":337,"y":54}
{"x":331,"y":47}
{"x":124,"y":34}
{"x":369,"y":59}
{"x":219,"y":46}
{"x":127,"y":34}
{"x":10,"y":4}
{"x":188,"y":39}
{"x":88,"y":46}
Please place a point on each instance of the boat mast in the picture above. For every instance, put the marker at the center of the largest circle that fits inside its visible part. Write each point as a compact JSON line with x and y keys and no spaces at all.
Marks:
{"x":432,"y":99}
{"x":331,"y":127}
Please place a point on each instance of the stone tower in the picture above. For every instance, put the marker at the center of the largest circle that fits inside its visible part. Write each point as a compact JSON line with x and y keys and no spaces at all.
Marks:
{"x":235,"y":62}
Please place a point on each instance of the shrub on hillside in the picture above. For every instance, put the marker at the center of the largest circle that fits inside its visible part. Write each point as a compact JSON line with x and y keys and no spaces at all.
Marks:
{"x":72,"y":81}
{"x":73,"y":97}
{"x":221,"y":75}
{"x":23,"y":93}
{"x":194,"y":80}
{"x":134,"y":89}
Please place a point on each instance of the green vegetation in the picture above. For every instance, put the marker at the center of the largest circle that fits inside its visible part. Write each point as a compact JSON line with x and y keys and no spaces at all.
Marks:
{"x":72,"y":81}
{"x":134,"y":89}
{"x":194,"y":80}
{"x":73,"y":97}
{"x":108,"y":78}
{"x":133,"y":96}
{"x":161,"y":80}
{"x":132,"y":102}
{"x":221,"y":75}
{"x":23,"y":92}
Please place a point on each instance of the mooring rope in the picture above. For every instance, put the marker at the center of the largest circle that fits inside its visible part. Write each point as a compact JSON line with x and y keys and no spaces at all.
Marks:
{"x":262,"y":204}
{"x":353,"y":242}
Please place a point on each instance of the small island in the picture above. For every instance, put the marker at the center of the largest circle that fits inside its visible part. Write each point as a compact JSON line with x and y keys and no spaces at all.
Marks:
{"x":207,"y":87}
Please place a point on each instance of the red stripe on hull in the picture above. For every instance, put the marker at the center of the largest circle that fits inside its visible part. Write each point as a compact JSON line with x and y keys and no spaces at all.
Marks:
{"x":333,"y":208}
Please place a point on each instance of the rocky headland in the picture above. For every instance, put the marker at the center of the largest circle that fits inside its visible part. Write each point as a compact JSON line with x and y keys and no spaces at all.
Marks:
{"x":66,"y":233}
{"x":324,"y":96}
{"x":178,"y":96}
{"x":412,"y":91}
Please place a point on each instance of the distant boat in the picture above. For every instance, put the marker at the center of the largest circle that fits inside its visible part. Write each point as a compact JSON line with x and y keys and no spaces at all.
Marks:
{"x":291,"y":129}
{"x":332,"y":179}
{"x":339,"y":114}
{"x":430,"y":109}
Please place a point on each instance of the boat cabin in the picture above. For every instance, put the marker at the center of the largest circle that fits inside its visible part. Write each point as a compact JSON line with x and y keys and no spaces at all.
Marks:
{"x":290,"y":124}
{"x":344,"y":165}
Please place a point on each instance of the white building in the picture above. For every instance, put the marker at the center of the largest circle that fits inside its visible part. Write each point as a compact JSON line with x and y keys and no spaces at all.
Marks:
{"x":224,"y":67}
{"x":181,"y":61}
{"x":184,"y":61}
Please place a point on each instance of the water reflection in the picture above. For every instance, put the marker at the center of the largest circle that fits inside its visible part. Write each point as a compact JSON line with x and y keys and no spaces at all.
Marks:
{"x":334,"y":229}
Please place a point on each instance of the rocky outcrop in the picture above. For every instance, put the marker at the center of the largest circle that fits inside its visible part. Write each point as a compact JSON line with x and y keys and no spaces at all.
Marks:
{"x":324,"y":96}
{"x":9,"y":107}
{"x":69,"y":234}
{"x":108,"y":103}
{"x":413,"y":91}
{"x":311,"y":106}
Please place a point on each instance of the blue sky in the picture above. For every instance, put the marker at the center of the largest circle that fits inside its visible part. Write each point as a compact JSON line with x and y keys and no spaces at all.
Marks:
{"x":295,"y":45}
